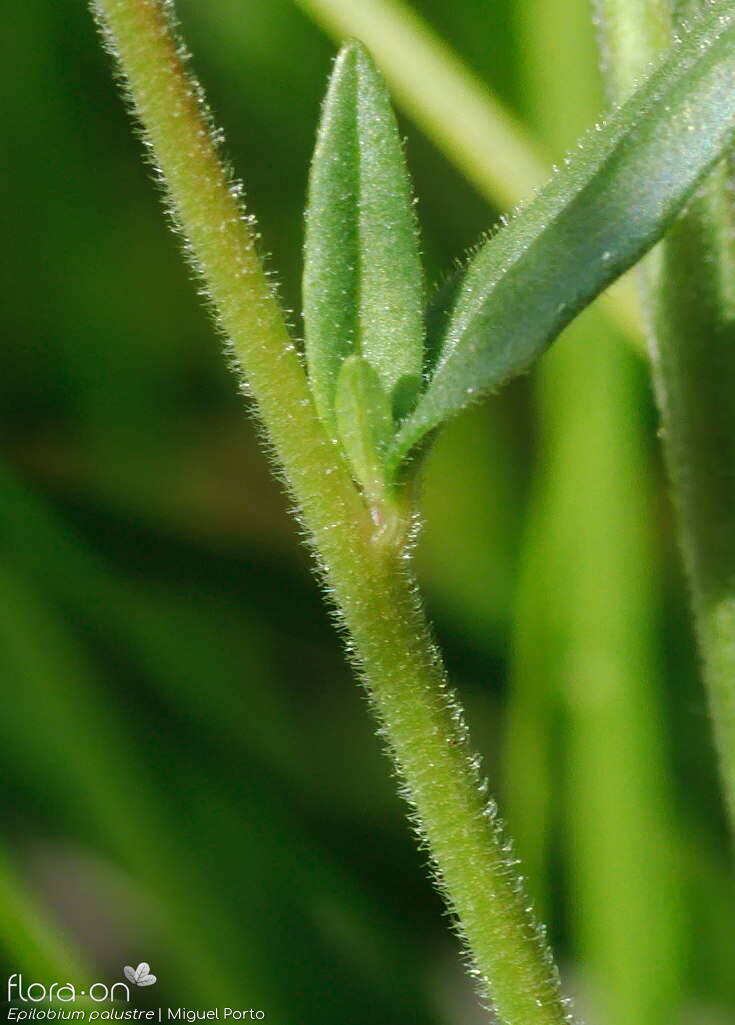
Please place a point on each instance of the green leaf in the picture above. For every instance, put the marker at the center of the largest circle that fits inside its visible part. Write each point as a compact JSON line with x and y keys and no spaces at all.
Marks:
{"x":363,"y":285}
{"x":364,"y":424}
{"x":610,"y":203}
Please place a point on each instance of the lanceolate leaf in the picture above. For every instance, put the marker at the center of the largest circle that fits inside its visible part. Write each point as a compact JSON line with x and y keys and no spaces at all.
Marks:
{"x":598,"y":215}
{"x":363,"y":290}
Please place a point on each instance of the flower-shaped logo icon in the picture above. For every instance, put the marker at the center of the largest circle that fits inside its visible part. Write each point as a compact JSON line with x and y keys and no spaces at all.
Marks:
{"x":140,"y":976}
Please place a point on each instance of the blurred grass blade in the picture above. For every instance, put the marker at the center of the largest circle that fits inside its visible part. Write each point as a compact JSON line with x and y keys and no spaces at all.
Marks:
{"x":93,"y":769}
{"x":618,"y":829}
{"x":363,"y":290}
{"x":29,"y":940}
{"x":610,"y":204}
{"x":587,"y":683}
{"x":149,"y":624}
{"x":530,"y":794}
{"x":364,"y":424}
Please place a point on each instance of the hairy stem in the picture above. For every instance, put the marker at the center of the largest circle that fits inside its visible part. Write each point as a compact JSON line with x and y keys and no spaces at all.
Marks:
{"x":364,"y":569}
{"x":690,"y":286}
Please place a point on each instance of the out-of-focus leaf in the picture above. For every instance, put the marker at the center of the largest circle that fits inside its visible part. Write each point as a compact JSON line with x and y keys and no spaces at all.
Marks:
{"x":612,"y":201}
{"x":82,"y":751}
{"x":363,"y":288}
{"x":29,"y":939}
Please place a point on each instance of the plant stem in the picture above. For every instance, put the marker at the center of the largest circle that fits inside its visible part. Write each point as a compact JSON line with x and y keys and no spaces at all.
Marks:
{"x":457,"y":112}
{"x":692,"y":326}
{"x":632,"y":35}
{"x":365,"y":572}
{"x":694,"y":373}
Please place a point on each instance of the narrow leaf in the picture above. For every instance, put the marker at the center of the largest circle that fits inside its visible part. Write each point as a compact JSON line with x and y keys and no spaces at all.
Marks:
{"x":364,"y":424}
{"x":596,"y":217}
{"x":363,"y":290}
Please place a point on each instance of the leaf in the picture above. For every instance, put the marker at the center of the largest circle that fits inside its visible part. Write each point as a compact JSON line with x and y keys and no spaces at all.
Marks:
{"x":610,"y":203}
{"x":364,"y":424}
{"x":140,"y":976}
{"x":363,"y":285}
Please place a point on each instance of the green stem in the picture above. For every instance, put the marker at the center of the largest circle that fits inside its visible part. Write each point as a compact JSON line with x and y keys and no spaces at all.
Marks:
{"x":365,"y":572}
{"x":694,"y":373}
{"x":461,"y":116}
{"x":632,"y":35}
{"x":690,"y":290}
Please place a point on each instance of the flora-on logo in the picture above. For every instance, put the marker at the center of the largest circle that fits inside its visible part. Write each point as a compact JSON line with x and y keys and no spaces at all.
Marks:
{"x":64,"y":992}
{"x":140,"y":976}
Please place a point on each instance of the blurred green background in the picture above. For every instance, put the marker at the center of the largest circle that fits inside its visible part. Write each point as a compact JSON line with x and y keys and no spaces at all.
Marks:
{"x":188,"y":772}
